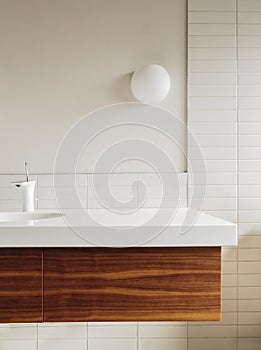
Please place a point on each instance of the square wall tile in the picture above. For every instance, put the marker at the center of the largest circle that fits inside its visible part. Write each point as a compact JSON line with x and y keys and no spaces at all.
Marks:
{"x":213,"y":5}
{"x":229,"y":280}
{"x":247,"y":267}
{"x":165,"y":332}
{"x":228,"y":267}
{"x":249,"y":305}
{"x":112,"y":344}
{"x":249,"y":5}
{"x":249,"y":292}
{"x":62,"y":332}
{"x":212,"y":331}
{"x":18,"y":345}
{"x":229,"y":254}
{"x":112,"y":331}
{"x":163,"y":344}
{"x":249,"y":318}
{"x":62,"y":344}
{"x":249,"y":254}
{"x":229,"y":293}
{"x":229,"y":305}
{"x":213,"y":344}
{"x":249,"y":280}
{"x":249,"y":343}
{"x":17,"y":333}
{"x":249,"y":331}
{"x":211,"y":17}
{"x":65,"y":192}
{"x":250,"y":241}
{"x":63,"y":180}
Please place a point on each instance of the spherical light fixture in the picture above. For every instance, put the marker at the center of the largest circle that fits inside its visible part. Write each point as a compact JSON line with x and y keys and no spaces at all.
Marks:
{"x":150,"y":84}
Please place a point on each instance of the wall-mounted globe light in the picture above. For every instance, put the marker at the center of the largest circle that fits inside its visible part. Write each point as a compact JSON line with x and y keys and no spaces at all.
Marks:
{"x":150,"y":84}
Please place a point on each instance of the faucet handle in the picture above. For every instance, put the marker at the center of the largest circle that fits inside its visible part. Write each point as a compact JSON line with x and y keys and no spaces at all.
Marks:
{"x":26,"y":171}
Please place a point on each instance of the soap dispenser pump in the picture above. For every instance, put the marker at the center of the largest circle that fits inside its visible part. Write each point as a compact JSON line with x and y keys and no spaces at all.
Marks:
{"x":28,"y":188}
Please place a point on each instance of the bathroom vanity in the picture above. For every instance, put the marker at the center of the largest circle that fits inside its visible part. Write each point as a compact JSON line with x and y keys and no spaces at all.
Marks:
{"x":50,"y":274}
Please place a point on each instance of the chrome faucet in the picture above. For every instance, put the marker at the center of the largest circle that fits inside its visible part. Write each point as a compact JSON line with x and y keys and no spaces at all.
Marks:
{"x":28,"y":188}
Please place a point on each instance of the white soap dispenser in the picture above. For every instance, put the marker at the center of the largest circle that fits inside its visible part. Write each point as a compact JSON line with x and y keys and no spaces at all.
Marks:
{"x":28,"y":188}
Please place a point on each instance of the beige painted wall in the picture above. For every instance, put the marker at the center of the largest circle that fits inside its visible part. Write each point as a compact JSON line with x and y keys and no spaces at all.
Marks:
{"x":60,"y":59}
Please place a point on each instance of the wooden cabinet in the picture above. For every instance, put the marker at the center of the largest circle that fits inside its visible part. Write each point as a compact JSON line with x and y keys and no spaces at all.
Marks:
{"x":132,"y":284}
{"x":20,"y":285}
{"x":107,"y":284}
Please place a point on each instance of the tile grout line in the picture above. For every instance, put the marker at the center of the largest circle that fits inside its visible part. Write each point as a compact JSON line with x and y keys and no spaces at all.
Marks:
{"x":237,"y":165}
{"x":187,"y":123}
{"x":87,"y":335}
{"x":37,"y":337}
{"x":186,"y":109}
{"x":138,"y":336}
{"x":87,"y":192}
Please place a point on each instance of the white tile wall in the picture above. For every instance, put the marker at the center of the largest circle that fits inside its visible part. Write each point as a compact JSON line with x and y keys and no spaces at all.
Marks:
{"x":249,"y":278}
{"x":96,"y":191}
{"x":212,"y":102}
{"x":216,"y":74}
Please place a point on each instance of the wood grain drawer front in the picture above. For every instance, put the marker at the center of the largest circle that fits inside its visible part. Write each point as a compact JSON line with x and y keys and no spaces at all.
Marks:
{"x":132,"y":284}
{"x":20,"y":285}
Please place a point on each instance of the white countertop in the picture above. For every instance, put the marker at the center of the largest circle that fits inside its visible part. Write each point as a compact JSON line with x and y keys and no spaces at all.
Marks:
{"x":144,"y":227}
